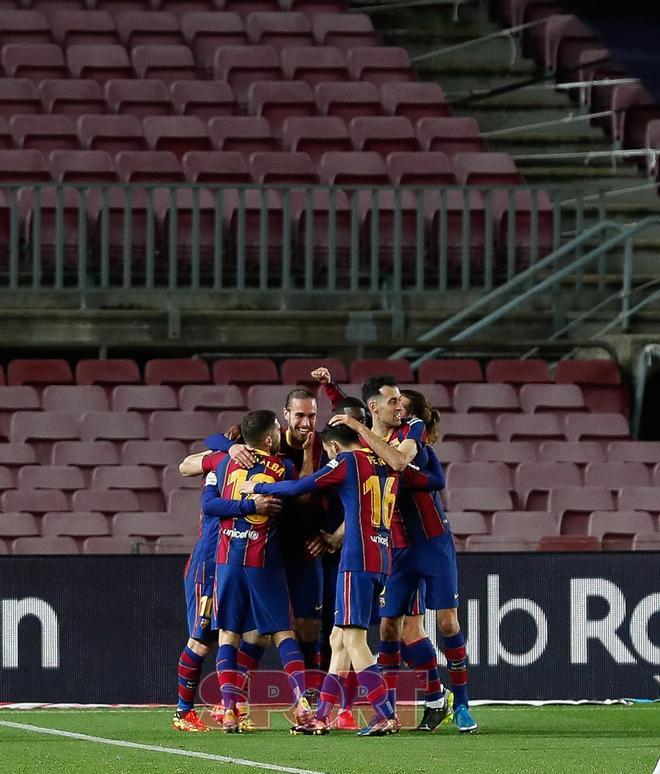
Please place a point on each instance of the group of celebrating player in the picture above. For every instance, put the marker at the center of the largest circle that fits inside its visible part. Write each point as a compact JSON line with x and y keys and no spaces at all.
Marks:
{"x":296,"y":524}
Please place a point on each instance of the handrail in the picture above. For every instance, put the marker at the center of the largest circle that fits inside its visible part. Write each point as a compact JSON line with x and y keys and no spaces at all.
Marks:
{"x":624,"y":233}
{"x":571,"y":118}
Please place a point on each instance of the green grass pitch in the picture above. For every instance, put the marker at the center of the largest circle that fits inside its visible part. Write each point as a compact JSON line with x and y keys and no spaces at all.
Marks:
{"x":510,"y":739}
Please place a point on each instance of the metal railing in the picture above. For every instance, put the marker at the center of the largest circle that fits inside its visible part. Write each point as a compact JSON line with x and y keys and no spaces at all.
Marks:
{"x":404,"y":239}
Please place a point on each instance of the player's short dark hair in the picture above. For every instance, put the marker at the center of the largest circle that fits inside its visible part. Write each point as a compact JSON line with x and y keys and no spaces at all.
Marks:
{"x":299,"y":393}
{"x":256,"y":425}
{"x":347,"y":403}
{"x":371,"y":388}
{"x":342,"y":434}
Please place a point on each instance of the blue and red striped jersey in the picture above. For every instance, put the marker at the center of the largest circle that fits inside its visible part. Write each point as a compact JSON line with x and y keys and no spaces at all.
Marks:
{"x":247,"y":540}
{"x":367,"y":488}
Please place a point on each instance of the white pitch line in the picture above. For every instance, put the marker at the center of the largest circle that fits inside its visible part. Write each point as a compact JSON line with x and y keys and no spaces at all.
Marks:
{"x":157,"y":748}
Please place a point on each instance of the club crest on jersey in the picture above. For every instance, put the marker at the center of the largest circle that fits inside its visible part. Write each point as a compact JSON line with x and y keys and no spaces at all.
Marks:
{"x":256,"y":518}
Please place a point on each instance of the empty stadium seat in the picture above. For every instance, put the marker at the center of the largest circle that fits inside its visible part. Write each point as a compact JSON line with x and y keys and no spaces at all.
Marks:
{"x":245,"y":371}
{"x":473,"y":474}
{"x":47,"y":426}
{"x":139,"y":97}
{"x":82,"y":166}
{"x":36,"y":62}
{"x":379,"y":65}
{"x":383,"y":134}
{"x":244,"y":134}
{"x":298,"y":370}
{"x":639,"y":498}
{"x":75,"y":27}
{"x":498,"y":544}
{"x":138,"y":478}
{"x":242,"y":65}
{"x":45,"y":546}
{"x":105,"y":501}
{"x":634,"y":451}
{"x":17,"y":454}
{"x":203,"y":99}
{"x":99,"y":63}
{"x":7,"y":479}
{"x":569,"y":543}
{"x":600,"y":381}
{"x":64,"y":477}
{"x":76,"y":524}
{"x":149,"y":524}
{"x":282,"y":167}
{"x":72,"y":97}
{"x":492,"y":398}
{"x":551,"y":397}
{"x":344,"y":30}
{"x":172,"y":480}
{"x":149,"y":167}
{"x":525,"y":525}
{"x":279,"y":29}
{"x":467,"y":429}
{"x":573,"y":504}
{"x":449,"y":135}
{"x":152,"y":28}
{"x":166,"y":63}
{"x":20,"y":26}
{"x":512,"y":452}
{"x":246,"y":7}
{"x":44,"y":133}
{"x":450,"y":372}
{"x":312,"y":7}
{"x":486,"y":169}
{"x":616,"y":529}
{"x":483,"y":499}
{"x":347,"y":100}
{"x":115,"y":545}
{"x":19,"y":398}
{"x":617,"y":474}
{"x":84,"y":454}
{"x":206,"y":32}
{"x":524,"y":220}
{"x":175,"y":544}
{"x":111,"y":134}
{"x":420,"y":168}
{"x":268,"y":396}
{"x":278,"y":100}
{"x":534,"y":480}
{"x":451,"y":451}
{"x":357,"y":168}
{"x":313,"y":64}
{"x":414,"y":101}
{"x":150,"y":397}
{"x":74,"y":398}
{"x":596,"y":427}
{"x":180,"y":425}
{"x":436,"y":394}
{"x":464,"y":523}
{"x":152,"y":453}
{"x":210,"y":397}
{"x":111,"y":426}
{"x":646,"y":541}
{"x":18,"y":95}
{"x":34,"y":501}
{"x":176,"y":371}
{"x":518,"y":372}
{"x":107,"y":372}
{"x":23,"y":166}
{"x":580,"y":452}
{"x":315,"y":135}
{"x":529,"y":427}
{"x":17,"y":524}
{"x":216,"y":167}
{"x":362,"y":369}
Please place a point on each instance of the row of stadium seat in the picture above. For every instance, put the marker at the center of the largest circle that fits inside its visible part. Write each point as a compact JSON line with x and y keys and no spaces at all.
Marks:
{"x":258,"y":370}
{"x":467,"y":397}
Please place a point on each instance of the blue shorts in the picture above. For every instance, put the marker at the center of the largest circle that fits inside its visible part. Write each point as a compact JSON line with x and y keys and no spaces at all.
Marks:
{"x":202,"y":623}
{"x":305,"y":581}
{"x":359,"y":595}
{"x":249,"y":598}
{"x":417,"y":583}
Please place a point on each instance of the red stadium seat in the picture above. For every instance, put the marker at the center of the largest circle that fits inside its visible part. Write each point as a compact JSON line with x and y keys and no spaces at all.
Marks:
{"x":246,"y":7}
{"x":107,"y":372}
{"x":16,"y":454}
{"x":175,"y":544}
{"x":153,"y":453}
{"x":472,"y":474}
{"x":634,"y":451}
{"x":464,"y":523}
{"x":279,"y":29}
{"x":527,"y":525}
{"x":534,"y":480}
{"x":47,"y":426}
{"x":379,"y":64}
{"x":99,"y":63}
{"x":18,"y":96}
{"x":436,"y":394}
{"x":105,"y":501}
{"x":451,"y":451}
{"x":140,"y":98}
{"x":242,"y":65}
{"x":314,"y":64}
{"x":486,"y":169}
{"x":39,"y":372}
{"x":203,"y":99}
{"x":150,"y":524}
{"x":311,"y":7}
{"x":639,"y":498}
{"x":450,"y":372}
{"x":356,"y":168}
{"x":7,"y":479}
{"x":498,"y":544}
{"x":205,"y":33}
{"x":420,"y":168}
{"x":112,"y":134}
{"x":210,"y":397}
{"x":573,"y":504}
{"x":362,"y":369}
{"x":23,"y":166}
{"x":483,"y":499}
{"x":111,"y":426}
{"x":44,"y":545}
{"x":315,"y":135}
{"x":34,"y":501}
{"x":491,"y":398}
{"x":36,"y":62}
{"x":617,"y":474}
{"x":174,"y":481}
{"x":551,"y":397}
{"x":383,"y":134}
{"x":268,"y":396}
{"x":344,"y":30}
{"x":276,"y":101}
{"x":17,"y":524}
{"x":282,"y":167}
{"x":64,"y":477}
{"x":216,"y":167}
{"x":167,"y":63}
{"x":145,"y":398}
{"x":646,"y":541}
{"x":74,"y":398}
{"x":139,"y":478}
{"x":245,"y":134}
{"x":245,"y":371}
{"x":467,"y":429}
{"x":596,"y":427}
{"x":580,"y":452}
{"x":449,"y":135}
{"x":84,"y":454}
{"x":115,"y":545}
{"x":75,"y":27}
{"x":23,"y":26}
{"x":177,"y":134}
{"x":518,"y":372}
{"x":149,"y":167}
{"x":183,"y":505}
{"x":152,"y":28}
{"x":512,"y":452}
{"x":414,"y":101}
{"x":180,"y":425}
{"x":72,"y":97}
{"x":347,"y":100}
{"x":84,"y":166}
{"x":298,"y":370}
{"x":176,"y":371}
{"x":44,"y":133}
{"x":616,"y":529}
{"x":600,"y":381}
{"x":514,"y":212}
{"x":527,"y":427}
{"x":76,"y":524}
{"x":21,"y":398}
{"x":569,"y":543}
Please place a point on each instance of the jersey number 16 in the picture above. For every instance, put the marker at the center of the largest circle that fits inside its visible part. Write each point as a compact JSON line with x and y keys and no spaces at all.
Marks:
{"x":382,"y":500}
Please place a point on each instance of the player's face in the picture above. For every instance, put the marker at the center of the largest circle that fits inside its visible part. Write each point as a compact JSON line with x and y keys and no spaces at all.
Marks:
{"x":406,"y":405}
{"x":388,"y":406}
{"x":301,"y":418}
{"x":275,"y":438}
